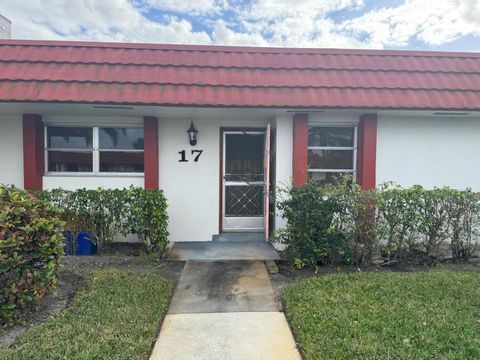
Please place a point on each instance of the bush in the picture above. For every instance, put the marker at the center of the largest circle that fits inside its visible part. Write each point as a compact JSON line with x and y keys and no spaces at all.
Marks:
{"x":106,"y":213}
{"x":432,"y":223}
{"x":98,"y":212}
{"x":463,"y":215}
{"x":398,"y":212}
{"x":309,"y":236}
{"x":147,"y":217}
{"x":342,"y":221}
{"x":30,"y":246}
{"x":420,"y":221}
{"x":358,"y":219}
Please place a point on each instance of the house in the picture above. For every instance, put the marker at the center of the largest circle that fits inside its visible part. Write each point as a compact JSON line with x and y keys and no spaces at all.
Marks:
{"x":219,"y":128}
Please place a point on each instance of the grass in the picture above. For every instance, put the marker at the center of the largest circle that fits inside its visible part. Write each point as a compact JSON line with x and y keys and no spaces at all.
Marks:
{"x":385,"y":315}
{"x":116,"y":316}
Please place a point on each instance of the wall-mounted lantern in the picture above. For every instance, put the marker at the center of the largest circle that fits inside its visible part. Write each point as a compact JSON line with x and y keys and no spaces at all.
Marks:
{"x":192,"y":134}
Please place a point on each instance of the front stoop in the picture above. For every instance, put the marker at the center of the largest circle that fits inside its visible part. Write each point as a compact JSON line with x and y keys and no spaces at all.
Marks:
{"x":225,"y":310}
{"x":223,"y":250}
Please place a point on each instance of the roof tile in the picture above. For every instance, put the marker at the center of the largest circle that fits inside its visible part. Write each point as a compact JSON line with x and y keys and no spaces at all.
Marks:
{"x":232,"y":76}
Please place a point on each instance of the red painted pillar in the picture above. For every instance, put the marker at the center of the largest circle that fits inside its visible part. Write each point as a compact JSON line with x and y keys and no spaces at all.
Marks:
{"x":33,"y":152}
{"x":150,"y":128}
{"x":300,"y":149}
{"x":367,"y":151}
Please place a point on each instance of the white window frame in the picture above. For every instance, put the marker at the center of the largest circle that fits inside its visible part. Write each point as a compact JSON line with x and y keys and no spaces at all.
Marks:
{"x":95,"y":150}
{"x":353,"y":148}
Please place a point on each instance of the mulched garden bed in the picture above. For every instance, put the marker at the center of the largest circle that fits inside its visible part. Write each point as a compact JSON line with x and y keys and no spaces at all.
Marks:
{"x":71,"y":278}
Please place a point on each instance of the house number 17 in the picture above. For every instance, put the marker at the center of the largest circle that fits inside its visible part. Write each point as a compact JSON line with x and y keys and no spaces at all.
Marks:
{"x":196,"y":156}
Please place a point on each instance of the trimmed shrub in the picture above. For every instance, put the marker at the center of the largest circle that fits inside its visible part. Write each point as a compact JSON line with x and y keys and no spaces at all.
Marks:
{"x":309,"y":236}
{"x":343,"y":221}
{"x":31,"y":243}
{"x":432,"y":220}
{"x":359,"y":220}
{"x":399,"y":214}
{"x":98,"y":212}
{"x":463,"y":216}
{"x":147,"y":217}
{"x":106,"y":213}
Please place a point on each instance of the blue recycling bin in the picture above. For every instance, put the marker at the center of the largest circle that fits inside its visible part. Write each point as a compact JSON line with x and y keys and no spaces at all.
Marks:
{"x":85,"y":246}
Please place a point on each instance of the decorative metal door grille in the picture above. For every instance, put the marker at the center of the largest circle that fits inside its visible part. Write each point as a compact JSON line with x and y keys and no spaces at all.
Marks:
{"x":244,"y":200}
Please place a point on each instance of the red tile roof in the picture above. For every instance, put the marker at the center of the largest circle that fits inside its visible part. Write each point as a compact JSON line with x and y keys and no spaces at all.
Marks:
{"x":189,"y":75}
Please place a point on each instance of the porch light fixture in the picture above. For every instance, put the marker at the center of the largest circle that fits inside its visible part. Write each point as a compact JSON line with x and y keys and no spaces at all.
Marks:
{"x":192,"y":134}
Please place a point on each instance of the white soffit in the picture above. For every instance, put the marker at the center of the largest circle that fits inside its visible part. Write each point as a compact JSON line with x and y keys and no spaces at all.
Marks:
{"x":207,"y":113}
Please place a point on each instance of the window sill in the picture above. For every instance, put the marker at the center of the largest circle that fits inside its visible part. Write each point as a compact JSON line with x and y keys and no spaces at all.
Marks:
{"x":69,"y":174}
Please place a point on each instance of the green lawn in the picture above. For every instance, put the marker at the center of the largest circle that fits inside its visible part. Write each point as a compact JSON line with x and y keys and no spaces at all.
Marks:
{"x":387,"y":315}
{"x":115,"y":317}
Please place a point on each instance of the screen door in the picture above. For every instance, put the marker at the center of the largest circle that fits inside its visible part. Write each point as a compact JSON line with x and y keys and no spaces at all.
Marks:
{"x":243,"y":181}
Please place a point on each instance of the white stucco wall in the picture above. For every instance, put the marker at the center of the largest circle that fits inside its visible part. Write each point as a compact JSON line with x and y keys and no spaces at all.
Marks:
{"x":430,"y":151}
{"x":283,"y":158}
{"x":192,"y":188}
{"x":11,"y":150}
{"x":72,"y":182}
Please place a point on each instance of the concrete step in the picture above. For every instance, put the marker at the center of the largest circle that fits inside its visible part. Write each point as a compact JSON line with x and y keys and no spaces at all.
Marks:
{"x":223,"y":250}
{"x":239,"y":236}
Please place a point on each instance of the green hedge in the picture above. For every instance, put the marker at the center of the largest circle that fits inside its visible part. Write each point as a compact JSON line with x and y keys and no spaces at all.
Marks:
{"x":31,"y":242}
{"x":331,"y":223}
{"x":106,"y":213}
{"x":309,"y":236}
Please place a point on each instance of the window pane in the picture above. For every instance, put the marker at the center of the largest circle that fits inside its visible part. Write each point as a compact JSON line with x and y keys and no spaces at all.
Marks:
{"x":63,"y":161}
{"x":69,"y":137}
{"x":244,"y":157}
{"x":331,"y":136}
{"x":121,"y":138}
{"x":330,"y":159}
{"x":119,"y":161}
{"x":325,"y":177}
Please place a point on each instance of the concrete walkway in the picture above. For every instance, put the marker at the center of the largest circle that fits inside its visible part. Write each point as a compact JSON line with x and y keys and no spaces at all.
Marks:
{"x":225,"y":310}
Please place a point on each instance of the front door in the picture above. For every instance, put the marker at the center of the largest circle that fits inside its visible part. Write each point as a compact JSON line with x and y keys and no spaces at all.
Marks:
{"x":243,"y":181}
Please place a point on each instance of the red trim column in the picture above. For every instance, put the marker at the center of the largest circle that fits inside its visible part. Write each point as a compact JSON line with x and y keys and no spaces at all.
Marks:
{"x":33,"y":152}
{"x":150,"y":128}
{"x":367,"y":151}
{"x":300,"y":149}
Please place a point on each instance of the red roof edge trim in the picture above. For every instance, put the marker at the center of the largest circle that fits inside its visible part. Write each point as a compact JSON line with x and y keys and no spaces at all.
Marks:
{"x":243,"y":49}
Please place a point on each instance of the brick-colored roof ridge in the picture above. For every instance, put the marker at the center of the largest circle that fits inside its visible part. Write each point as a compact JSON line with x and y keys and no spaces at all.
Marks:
{"x":241,"y":49}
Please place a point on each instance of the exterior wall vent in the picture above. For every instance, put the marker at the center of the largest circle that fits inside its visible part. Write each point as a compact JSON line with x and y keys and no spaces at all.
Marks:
{"x":450,"y":113}
{"x":112,"y":107}
{"x":305,"y":111}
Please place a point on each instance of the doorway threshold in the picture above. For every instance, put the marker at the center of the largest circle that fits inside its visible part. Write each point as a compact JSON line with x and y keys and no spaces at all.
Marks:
{"x":239,"y":236}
